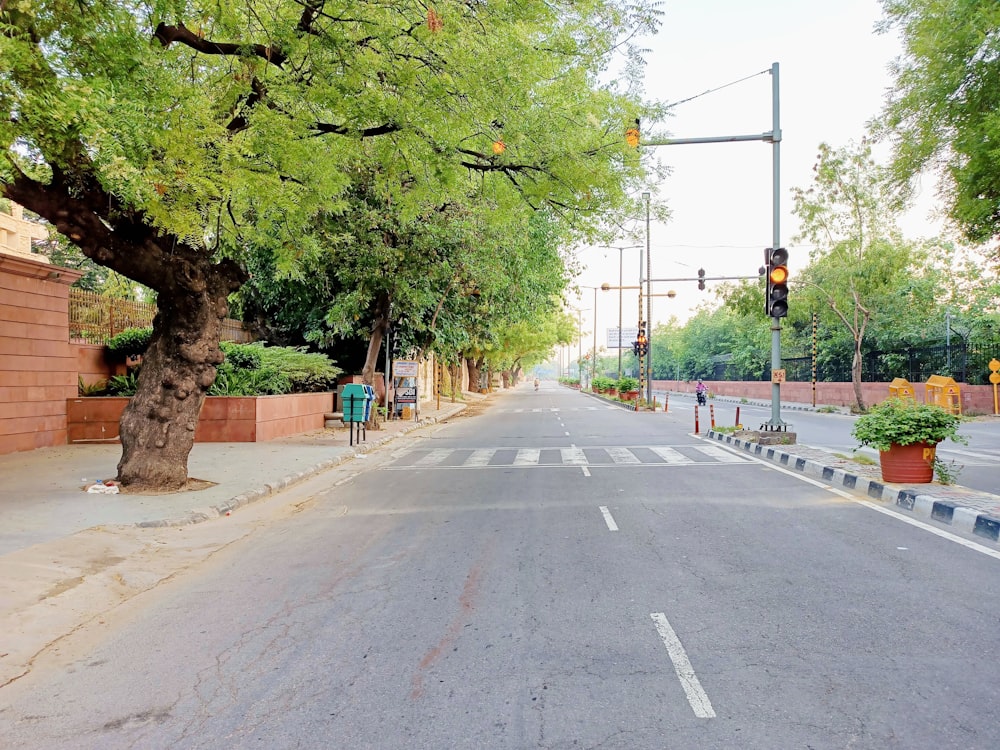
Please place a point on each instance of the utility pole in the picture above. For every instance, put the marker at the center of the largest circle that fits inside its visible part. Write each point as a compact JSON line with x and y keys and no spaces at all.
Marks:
{"x":774,"y":138}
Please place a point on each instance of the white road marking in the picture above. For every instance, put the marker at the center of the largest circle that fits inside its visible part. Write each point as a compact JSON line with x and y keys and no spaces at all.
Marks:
{"x":434,"y":457}
{"x":670,"y":455}
{"x":527,"y":457}
{"x":622,"y":455}
{"x":573,"y":456}
{"x":567,"y":434}
{"x":721,"y":454}
{"x":612,"y":526}
{"x":345,"y":480}
{"x":696,"y":696}
{"x":479,"y":458}
{"x":585,"y":470}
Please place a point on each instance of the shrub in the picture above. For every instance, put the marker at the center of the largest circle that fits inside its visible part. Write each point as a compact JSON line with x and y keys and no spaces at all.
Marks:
{"x":242,"y":356}
{"x":626,"y":384}
{"x":904,"y":422}
{"x":123,"y":385}
{"x":130,"y":342}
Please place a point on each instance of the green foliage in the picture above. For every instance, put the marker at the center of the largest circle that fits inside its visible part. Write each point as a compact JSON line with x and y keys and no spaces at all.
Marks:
{"x":123,"y":385}
{"x":130,"y":342}
{"x":947,"y":471}
{"x":307,"y":372}
{"x":626,"y":384}
{"x":904,"y":422}
{"x":258,"y":370}
{"x":263,"y":381}
{"x":942,"y":113}
{"x":97,"y":388}
{"x":242,"y":356}
{"x":602,"y":383}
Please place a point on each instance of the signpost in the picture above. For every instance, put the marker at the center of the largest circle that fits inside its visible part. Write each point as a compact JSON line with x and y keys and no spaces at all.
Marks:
{"x":625,"y":341}
{"x":405,"y":370}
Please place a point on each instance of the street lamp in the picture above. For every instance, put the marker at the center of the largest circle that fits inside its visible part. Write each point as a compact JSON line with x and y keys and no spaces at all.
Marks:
{"x":649,"y":307}
{"x":620,"y":287}
{"x":593,"y":363}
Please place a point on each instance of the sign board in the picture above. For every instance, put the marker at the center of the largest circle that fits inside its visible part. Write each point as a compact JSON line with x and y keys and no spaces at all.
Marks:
{"x":777,"y":376}
{"x":406,"y":394}
{"x":404,"y":368}
{"x":628,"y":336}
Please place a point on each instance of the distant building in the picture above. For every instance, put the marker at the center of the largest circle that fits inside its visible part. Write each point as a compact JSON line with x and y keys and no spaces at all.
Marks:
{"x":16,"y":234}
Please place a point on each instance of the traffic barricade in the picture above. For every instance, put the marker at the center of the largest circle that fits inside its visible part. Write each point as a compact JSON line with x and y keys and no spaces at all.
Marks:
{"x":901,"y":388}
{"x":944,"y":392}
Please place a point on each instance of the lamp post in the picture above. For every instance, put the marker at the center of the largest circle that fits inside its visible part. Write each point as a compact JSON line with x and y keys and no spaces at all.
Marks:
{"x":593,"y":362}
{"x":621,"y":251}
{"x":649,"y":310}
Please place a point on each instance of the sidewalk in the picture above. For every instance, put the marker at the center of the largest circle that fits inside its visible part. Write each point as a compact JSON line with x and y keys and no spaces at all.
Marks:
{"x":42,"y":495}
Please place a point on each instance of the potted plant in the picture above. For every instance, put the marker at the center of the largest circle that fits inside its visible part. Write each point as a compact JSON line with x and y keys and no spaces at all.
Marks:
{"x":906,"y":434}
{"x":628,"y":388}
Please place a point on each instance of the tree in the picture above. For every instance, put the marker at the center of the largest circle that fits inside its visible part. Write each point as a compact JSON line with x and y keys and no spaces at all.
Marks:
{"x":944,"y":111}
{"x":170,"y":140}
{"x":860,"y":257}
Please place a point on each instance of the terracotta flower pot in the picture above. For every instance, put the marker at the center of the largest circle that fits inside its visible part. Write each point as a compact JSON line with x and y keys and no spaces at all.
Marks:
{"x":912,"y":463}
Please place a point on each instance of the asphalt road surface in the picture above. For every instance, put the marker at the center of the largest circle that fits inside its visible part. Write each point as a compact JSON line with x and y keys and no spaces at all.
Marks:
{"x":551,"y":573}
{"x":977,"y":464}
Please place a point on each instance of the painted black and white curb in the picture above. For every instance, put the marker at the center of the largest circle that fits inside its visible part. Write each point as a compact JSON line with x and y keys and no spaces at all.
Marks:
{"x":948,"y":511}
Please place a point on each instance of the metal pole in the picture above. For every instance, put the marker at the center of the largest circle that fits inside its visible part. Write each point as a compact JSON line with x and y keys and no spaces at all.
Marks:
{"x":621,"y":253}
{"x":947,"y":338}
{"x":649,"y":312}
{"x":776,"y":423}
{"x":579,"y":346}
{"x":593,"y":362}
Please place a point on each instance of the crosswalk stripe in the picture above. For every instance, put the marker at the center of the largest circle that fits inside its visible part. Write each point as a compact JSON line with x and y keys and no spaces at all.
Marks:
{"x":720,"y":454}
{"x":573,"y":456}
{"x":670,"y":455}
{"x":479,"y":458}
{"x":434,"y":457}
{"x":527,"y":457}
{"x":622,"y":456}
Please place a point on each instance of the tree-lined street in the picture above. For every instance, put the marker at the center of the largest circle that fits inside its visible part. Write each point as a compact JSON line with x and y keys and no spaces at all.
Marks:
{"x":545,"y":574}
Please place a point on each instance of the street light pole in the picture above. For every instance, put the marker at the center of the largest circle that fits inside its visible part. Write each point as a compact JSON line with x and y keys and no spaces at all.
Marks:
{"x":593,"y":362}
{"x":649,"y":312}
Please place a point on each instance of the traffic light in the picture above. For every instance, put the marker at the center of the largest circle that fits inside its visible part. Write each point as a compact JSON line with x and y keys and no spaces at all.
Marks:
{"x":632,"y":135}
{"x":701,"y":279}
{"x":641,"y":342}
{"x":776,"y":301}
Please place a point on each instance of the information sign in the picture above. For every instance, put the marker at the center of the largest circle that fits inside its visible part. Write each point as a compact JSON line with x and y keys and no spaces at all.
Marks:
{"x":404,"y":368}
{"x":406,"y":394}
{"x":628,"y":336}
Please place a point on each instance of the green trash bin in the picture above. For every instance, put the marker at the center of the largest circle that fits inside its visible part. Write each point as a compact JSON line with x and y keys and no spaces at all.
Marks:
{"x":356,"y":403}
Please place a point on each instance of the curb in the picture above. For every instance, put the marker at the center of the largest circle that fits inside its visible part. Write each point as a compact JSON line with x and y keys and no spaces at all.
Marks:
{"x":198,"y":515}
{"x":948,"y":512}
{"x":619,"y":404}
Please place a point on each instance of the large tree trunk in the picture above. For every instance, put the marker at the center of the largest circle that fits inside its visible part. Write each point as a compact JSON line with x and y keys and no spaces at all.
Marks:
{"x":380,"y":324}
{"x":157,"y":427}
{"x":473,"y":366}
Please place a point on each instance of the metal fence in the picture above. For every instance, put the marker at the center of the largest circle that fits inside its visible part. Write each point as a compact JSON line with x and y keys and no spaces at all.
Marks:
{"x":93,"y":318}
{"x":965,"y":360}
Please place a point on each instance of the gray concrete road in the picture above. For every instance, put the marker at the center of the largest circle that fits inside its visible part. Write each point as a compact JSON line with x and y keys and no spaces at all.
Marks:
{"x":552,"y":573}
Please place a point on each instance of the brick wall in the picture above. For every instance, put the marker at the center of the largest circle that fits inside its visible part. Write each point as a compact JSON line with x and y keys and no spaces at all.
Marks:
{"x":38,"y":369}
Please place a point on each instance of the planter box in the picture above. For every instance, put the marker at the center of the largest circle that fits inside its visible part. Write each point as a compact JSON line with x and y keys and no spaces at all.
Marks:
{"x":223,"y":419}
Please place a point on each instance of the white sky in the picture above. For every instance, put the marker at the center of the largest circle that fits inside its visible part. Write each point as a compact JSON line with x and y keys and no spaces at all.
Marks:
{"x":833,"y":79}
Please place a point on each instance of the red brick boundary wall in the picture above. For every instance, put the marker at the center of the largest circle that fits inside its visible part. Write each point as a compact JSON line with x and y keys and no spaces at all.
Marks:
{"x":976,"y":399}
{"x":38,"y":367}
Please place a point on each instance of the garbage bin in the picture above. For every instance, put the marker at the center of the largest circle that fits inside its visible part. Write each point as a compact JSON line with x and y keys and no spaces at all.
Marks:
{"x":356,"y":402}
{"x":370,"y":401}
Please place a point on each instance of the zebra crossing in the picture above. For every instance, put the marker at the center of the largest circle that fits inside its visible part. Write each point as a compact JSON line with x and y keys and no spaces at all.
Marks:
{"x":572,"y":456}
{"x":555,"y":409}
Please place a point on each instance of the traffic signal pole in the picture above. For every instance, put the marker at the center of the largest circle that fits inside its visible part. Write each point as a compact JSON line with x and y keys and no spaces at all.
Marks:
{"x":774,"y":138}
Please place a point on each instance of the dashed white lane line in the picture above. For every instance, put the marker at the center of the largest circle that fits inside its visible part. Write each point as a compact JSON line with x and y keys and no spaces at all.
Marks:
{"x":696,"y":696}
{"x":586,"y":471}
{"x":608,"y":519}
